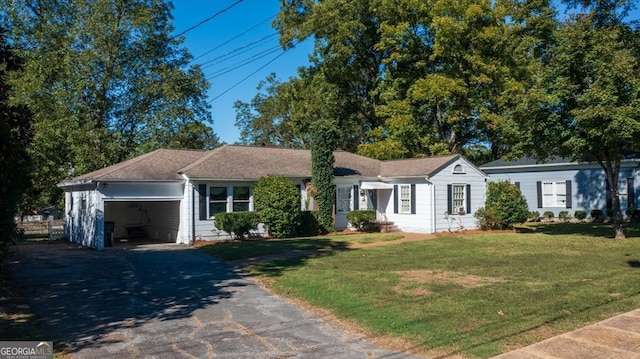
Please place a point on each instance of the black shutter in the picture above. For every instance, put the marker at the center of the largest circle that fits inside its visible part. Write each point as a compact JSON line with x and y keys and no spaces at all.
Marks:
{"x":468,"y":199}
{"x":568,"y":195}
{"x":356,"y":197}
{"x":609,"y":200}
{"x":202,"y":191}
{"x":395,"y":198}
{"x":449,"y":199}
{"x":631,"y":193}
{"x":517,"y":184}
{"x":539,"y":188}
{"x":413,"y":199}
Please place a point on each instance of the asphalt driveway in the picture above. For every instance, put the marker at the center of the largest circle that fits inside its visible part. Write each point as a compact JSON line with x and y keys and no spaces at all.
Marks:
{"x":169,"y":301}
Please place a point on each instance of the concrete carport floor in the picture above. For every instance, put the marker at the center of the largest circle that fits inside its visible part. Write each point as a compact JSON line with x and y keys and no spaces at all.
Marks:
{"x":169,"y":301}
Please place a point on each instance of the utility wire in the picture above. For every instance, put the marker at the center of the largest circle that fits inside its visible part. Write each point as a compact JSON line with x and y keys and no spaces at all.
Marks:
{"x":254,"y":58}
{"x":235,"y":37}
{"x":208,"y":19}
{"x":251,"y":74}
{"x":234,"y":53}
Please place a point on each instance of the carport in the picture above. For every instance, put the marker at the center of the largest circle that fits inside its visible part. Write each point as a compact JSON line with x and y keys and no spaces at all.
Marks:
{"x":129,"y":221}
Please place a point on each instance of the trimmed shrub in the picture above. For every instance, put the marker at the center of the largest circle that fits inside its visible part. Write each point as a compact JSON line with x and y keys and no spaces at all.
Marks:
{"x":548,"y":215}
{"x":597,"y":215}
{"x":580,"y":214}
{"x":237,"y":224}
{"x":504,"y":207}
{"x":564,"y":215}
{"x":632,"y":214}
{"x":309,"y":224}
{"x":534,"y":216}
{"x":361,"y":218}
{"x":277,"y":202}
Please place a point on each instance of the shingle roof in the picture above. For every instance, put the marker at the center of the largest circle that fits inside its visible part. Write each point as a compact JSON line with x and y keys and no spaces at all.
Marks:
{"x":526,"y":161}
{"x":416,"y":166}
{"x":252,"y":162}
{"x":162,"y":164}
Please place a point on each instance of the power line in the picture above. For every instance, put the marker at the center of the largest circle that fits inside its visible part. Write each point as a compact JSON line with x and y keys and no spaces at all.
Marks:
{"x":235,"y":37}
{"x":236,"y":52}
{"x":251,"y":74}
{"x":251,"y":59}
{"x":208,"y":19}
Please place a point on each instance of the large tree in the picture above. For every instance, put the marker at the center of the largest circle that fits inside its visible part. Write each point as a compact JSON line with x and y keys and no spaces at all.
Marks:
{"x":15,"y":132}
{"x":407,"y":78}
{"x":105,"y":80}
{"x":586,"y":103}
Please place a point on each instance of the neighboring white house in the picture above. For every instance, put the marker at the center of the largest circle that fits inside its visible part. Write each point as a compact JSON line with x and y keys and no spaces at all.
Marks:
{"x":561,"y":185}
{"x":174,"y":195}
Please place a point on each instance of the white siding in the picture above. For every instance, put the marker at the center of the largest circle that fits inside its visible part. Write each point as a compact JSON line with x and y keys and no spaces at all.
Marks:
{"x":142,"y":191}
{"x":446,"y":176}
{"x":205,"y":229}
{"x":420,"y":222}
{"x":85,"y":217}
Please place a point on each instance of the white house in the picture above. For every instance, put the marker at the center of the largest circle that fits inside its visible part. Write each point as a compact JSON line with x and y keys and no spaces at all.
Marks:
{"x":561,"y":185}
{"x":174,"y":195}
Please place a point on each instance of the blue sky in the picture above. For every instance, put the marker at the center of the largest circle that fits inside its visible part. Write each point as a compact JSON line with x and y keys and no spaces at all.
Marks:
{"x":240,"y":38}
{"x":218,"y":59}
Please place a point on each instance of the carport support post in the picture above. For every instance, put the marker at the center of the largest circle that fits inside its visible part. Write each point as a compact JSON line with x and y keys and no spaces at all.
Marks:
{"x":192,"y":240}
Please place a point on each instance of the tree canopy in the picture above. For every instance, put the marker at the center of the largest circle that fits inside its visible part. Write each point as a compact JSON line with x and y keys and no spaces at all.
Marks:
{"x":105,"y":80}
{"x":16,"y":134}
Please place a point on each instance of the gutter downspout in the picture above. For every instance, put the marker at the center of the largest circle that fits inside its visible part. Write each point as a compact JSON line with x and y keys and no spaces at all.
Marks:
{"x":433,"y":205}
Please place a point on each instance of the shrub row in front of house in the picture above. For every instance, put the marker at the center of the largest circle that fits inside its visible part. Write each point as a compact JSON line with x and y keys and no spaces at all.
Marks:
{"x":596,"y":215}
{"x":241,"y":224}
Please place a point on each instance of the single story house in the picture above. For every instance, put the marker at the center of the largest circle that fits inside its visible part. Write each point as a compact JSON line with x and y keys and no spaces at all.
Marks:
{"x":173,"y":195}
{"x":562,"y":185}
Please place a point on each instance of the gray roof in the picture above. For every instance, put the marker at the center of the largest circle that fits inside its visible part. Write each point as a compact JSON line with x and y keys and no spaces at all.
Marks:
{"x":159,"y":165}
{"x":526,"y":161}
{"x":232,"y":162}
{"x":426,"y":166}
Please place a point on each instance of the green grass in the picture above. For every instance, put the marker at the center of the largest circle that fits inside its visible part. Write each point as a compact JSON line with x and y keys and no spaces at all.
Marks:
{"x":471,"y":295}
{"x":248,"y":249}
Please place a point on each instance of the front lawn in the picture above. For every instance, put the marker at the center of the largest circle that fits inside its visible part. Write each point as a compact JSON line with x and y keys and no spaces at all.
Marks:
{"x":471,"y":295}
{"x":231,"y":250}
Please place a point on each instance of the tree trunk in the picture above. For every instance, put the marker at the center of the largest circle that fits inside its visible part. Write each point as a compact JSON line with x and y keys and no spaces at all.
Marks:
{"x":617,"y":213}
{"x":612,"y":170}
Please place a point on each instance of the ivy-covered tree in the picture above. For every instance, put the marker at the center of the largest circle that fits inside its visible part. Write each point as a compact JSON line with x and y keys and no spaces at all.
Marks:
{"x":15,"y":132}
{"x":323,"y":134}
{"x":104,"y":79}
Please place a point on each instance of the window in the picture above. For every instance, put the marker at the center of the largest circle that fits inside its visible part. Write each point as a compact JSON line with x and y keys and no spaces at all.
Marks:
{"x":217,"y":200}
{"x":343,"y":199}
{"x":405,"y":199}
{"x":458,"y":198}
{"x":241,"y":198}
{"x":554,"y":194}
{"x":458,"y":169}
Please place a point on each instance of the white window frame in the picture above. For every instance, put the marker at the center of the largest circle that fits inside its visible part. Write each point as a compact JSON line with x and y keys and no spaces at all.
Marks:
{"x":343,"y":198}
{"x":459,"y":197}
{"x":226,"y":200}
{"x":404,"y":196}
{"x":554,"y":194}
{"x":458,"y":168}
{"x":235,"y":201}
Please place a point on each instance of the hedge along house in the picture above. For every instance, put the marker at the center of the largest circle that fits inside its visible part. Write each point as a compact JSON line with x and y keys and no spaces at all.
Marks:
{"x":174,"y":195}
{"x":561,"y":185}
